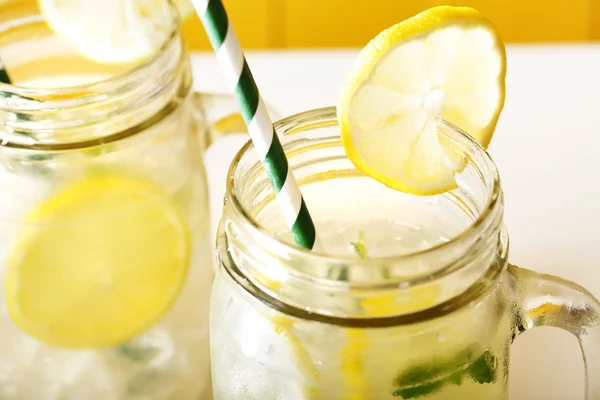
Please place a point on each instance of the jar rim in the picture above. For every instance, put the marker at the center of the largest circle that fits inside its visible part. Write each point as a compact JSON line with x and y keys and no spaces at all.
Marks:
{"x":32,"y":115}
{"x":25,"y":92}
{"x":315,"y":118}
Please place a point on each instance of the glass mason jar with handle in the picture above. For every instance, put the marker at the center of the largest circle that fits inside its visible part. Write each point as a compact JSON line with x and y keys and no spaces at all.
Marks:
{"x":413,"y":298}
{"x":106,"y":261}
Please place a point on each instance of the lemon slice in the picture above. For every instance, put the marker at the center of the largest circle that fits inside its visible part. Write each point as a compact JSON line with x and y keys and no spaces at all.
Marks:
{"x":113,"y":31}
{"x":445,"y":63}
{"x":96,"y":264}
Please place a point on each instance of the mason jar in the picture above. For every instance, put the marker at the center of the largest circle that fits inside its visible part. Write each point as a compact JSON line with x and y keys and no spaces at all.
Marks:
{"x":105,"y":253}
{"x":412,"y":297}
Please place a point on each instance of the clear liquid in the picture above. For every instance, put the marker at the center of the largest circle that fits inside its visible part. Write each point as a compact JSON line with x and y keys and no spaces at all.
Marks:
{"x":390,"y":222}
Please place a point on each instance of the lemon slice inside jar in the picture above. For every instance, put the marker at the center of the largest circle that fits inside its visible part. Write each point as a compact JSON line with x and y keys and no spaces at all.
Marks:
{"x":96,"y":264}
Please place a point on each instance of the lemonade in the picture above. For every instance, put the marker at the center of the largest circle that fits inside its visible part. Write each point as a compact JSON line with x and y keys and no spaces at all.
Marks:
{"x":105,"y":255}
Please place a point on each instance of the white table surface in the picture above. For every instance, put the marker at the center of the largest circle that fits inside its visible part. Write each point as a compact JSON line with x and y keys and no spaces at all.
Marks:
{"x":547,"y":147}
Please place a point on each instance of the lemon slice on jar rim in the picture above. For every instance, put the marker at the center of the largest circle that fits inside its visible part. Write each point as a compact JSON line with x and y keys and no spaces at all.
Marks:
{"x":113,"y":31}
{"x":444,"y":63}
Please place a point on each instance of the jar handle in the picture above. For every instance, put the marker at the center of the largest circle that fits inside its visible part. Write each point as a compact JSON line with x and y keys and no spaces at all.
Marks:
{"x":219,"y":114}
{"x":547,"y":300}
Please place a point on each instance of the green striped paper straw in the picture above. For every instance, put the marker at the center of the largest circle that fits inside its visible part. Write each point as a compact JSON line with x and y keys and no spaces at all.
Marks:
{"x":4,"y":78}
{"x":260,"y":127}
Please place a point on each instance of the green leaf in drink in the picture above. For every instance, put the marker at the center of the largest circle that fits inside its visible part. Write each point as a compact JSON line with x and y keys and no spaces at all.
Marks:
{"x":419,"y":391}
{"x":456,"y":378}
{"x":484,"y":368}
{"x":434,"y":369}
{"x":426,"y":379}
{"x":359,"y":247}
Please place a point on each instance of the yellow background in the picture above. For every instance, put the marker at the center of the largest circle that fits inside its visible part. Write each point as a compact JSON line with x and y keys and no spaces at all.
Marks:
{"x":352,"y":23}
